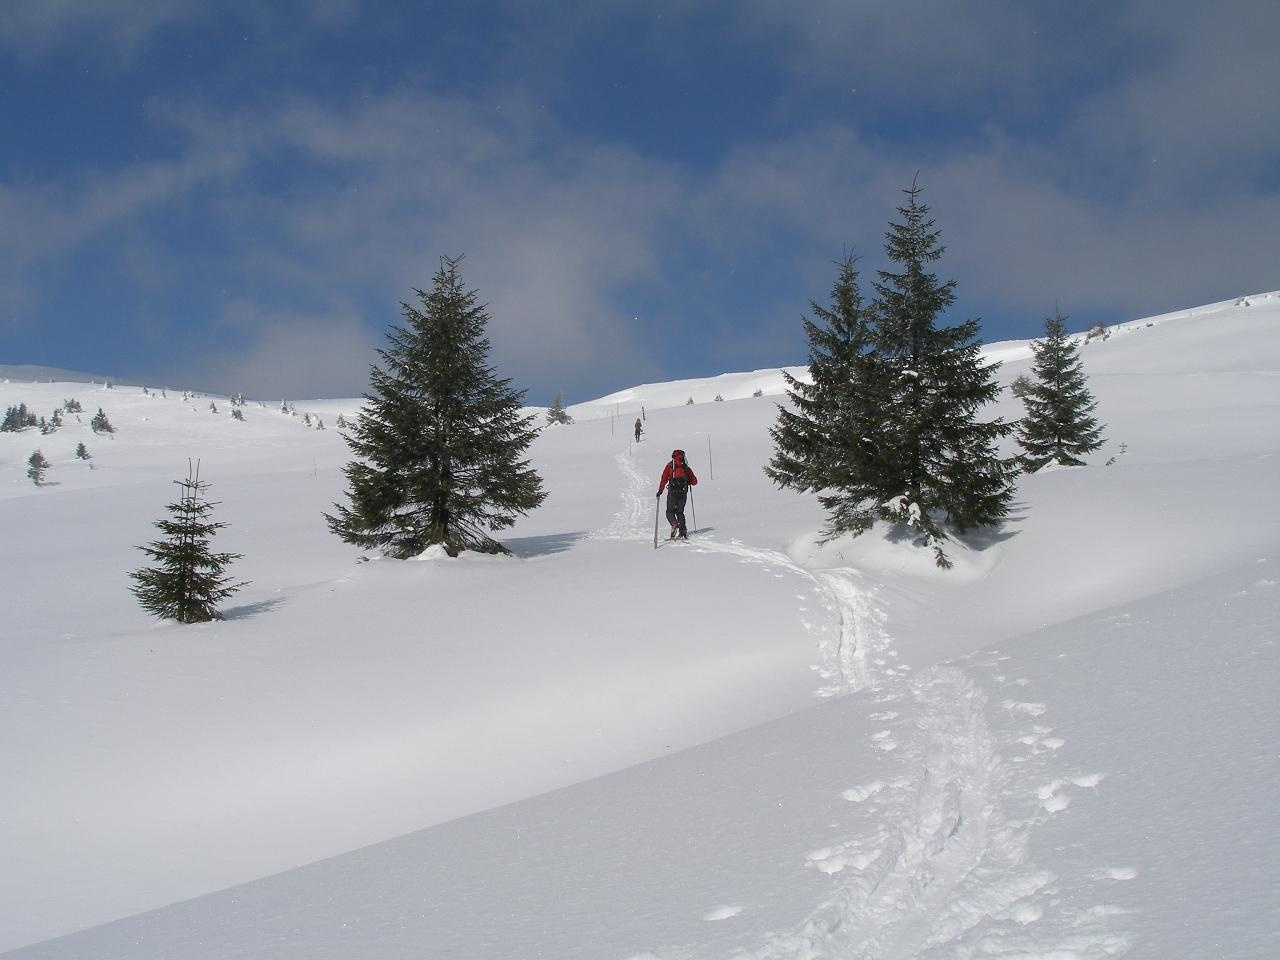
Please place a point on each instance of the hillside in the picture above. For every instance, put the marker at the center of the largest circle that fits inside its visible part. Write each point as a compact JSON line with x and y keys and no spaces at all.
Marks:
{"x":748,"y":746}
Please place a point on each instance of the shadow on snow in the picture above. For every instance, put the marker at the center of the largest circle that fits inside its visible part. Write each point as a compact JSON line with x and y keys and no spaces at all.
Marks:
{"x":529,"y":547}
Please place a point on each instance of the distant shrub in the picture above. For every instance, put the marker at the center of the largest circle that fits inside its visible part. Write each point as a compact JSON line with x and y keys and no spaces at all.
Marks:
{"x":17,"y":419}
{"x":556,"y":413}
{"x":37,"y":464}
{"x":100,"y":423}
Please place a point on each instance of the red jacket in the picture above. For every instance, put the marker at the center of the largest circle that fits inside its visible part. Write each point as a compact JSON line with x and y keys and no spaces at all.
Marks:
{"x":678,"y":470}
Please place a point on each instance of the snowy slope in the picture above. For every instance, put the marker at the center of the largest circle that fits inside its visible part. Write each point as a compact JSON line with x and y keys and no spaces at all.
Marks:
{"x":1062,"y":748}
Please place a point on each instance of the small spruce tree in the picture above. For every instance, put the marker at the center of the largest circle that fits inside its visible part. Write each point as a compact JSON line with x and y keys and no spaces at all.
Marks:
{"x":17,"y":419}
{"x":82,"y":452}
{"x":557,"y":412}
{"x":37,"y":464}
{"x":440,"y":441}
{"x":188,"y":582}
{"x":1059,"y":425}
{"x":100,"y":423}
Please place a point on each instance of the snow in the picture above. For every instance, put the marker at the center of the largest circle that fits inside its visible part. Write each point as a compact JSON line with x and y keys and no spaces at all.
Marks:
{"x":749,"y":746}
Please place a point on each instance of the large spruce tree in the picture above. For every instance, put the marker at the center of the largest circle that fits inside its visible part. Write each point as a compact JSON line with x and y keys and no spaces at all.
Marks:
{"x":823,"y":441}
{"x":188,"y":583}
{"x":440,"y":439}
{"x":939,"y":461}
{"x":1059,"y":425}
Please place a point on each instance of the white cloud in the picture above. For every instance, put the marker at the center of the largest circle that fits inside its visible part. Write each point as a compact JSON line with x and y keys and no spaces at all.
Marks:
{"x":285,"y":357}
{"x":35,"y":28}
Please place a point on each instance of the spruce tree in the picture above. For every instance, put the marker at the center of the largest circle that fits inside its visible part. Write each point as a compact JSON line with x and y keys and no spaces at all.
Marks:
{"x":1059,"y":425}
{"x":37,"y":464}
{"x":100,"y":423}
{"x":440,"y":439}
{"x":939,"y":463}
{"x":557,"y":413}
{"x":823,"y":442}
{"x":189,"y":580}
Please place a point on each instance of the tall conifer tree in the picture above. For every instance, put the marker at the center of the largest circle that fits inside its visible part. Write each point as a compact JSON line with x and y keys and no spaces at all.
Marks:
{"x":939,"y":461}
{"x":823,"y":442}
{"x":1059,"y":425}
{"x":440,"y":439}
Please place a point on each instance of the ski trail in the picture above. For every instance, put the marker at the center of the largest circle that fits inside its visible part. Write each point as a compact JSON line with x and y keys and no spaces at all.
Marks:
{"x":860,"y":645}
{"x":850,"y":658}
{"x":631,"y":521}
{"x":943,"y":858}
{"x":944,"y":871}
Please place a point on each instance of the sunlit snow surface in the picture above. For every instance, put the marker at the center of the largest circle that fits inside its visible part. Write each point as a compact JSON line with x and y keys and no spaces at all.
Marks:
{"x":748,"y":746}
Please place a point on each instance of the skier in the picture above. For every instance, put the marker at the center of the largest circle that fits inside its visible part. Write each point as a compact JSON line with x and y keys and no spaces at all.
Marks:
{"x":638,"y":430}
{"x":677,"y":478}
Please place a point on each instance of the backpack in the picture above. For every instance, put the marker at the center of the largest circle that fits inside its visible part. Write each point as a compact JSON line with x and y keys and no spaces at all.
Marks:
{"x":678,"y":484}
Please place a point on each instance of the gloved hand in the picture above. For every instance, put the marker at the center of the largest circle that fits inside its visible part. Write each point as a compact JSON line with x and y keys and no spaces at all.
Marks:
{"x":658,"y":494}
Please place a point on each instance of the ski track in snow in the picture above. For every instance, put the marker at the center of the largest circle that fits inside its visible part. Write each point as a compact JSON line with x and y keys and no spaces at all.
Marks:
{"x":850,"y":658}
{"x":945,"y":872}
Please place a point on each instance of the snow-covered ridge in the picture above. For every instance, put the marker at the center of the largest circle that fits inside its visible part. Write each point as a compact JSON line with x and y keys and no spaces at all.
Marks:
{"x":770,"y":382}
{"x":748,"y":746}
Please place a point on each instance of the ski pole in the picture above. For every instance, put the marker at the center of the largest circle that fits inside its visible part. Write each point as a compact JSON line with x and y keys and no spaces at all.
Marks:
{"x":693,"y":509}
{"x":657,"y":506}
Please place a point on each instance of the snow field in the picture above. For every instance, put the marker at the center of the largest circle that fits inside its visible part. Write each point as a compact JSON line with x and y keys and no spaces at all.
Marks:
{"x":1061,"y":750}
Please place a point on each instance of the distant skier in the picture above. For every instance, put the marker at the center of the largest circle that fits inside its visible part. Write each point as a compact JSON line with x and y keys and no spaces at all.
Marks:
{"x":677,"y":478}
{"x":638,"y":430}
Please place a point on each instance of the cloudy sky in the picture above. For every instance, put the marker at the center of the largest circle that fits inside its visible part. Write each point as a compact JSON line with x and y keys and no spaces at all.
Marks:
{"x":238,"y":196}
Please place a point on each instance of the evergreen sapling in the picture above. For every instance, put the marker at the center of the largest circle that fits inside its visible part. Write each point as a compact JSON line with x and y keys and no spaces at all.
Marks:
{"x":1059,"y":425}
{"x":188,"y":582}
{"x":37,"y":464}
{"x":557,"y":413}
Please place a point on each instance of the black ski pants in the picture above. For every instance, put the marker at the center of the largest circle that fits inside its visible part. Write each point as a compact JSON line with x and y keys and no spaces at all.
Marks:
{"x":675,"y":509}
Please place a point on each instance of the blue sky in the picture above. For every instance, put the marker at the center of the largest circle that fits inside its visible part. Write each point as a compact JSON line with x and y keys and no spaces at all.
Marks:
{"x":227,"y":198}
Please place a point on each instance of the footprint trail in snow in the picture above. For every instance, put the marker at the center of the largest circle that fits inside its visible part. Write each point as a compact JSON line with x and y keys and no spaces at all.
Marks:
{"x":946,"y":871}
